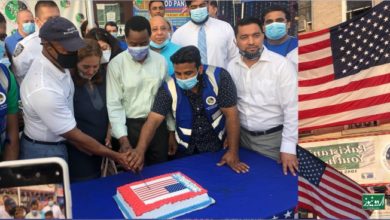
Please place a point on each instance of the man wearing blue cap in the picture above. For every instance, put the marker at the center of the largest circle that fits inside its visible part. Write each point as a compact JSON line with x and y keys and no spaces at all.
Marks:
{"x":47,"y":97}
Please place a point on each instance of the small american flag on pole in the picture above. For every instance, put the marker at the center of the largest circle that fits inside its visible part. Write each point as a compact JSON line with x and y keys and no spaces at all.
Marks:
{"x":327,"y":192}
{"x":159,"y":189}
{"x":344,"y":72}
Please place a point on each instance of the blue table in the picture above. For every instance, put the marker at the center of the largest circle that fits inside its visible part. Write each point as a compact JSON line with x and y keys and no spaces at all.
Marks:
{"x":261,"y":193}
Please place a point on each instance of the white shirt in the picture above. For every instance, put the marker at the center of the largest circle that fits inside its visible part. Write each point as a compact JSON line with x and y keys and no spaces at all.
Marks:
{"x":47,"y":97}
{"x":219,"y":36}
{"x":267,"y":96}
{"x":57,"y":213}
{"x":4,"y":214}
{"x":25,"y":52}
{"x":293,"y":57}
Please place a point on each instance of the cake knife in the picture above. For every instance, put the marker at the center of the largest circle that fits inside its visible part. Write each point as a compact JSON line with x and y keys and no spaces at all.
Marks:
{"x":142,"y":178}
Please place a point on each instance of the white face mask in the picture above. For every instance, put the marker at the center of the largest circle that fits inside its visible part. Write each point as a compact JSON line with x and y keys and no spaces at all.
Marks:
{"x":106,"y":56}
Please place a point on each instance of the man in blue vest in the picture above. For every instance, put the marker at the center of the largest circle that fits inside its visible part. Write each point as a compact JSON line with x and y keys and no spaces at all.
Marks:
{"x":203,"y":101}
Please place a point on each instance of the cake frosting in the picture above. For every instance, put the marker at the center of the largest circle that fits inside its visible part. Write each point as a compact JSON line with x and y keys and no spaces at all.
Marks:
{"x":166,"y":196}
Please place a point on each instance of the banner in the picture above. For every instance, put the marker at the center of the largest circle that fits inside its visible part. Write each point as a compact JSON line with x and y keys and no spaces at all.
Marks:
{"x":366,"y":160}
{"x":74,"y":10}
{"x":174,"y":11}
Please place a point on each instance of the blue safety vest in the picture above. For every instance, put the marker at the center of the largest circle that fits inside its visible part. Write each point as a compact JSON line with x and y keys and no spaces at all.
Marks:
{"x":182,"y":111}
{"x":4,"y":85}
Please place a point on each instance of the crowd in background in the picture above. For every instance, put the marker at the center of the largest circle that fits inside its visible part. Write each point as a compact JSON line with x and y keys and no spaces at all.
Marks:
{"x":152,"y":96}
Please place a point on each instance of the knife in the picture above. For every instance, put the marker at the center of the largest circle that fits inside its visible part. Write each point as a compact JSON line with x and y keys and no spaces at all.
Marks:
{"x":142,"y":178}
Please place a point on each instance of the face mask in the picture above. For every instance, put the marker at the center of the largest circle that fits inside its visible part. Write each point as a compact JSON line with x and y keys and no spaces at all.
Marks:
{"x":106,"y":56}
{"x":114,"y":34}
{"x":275,"y":30}
{"x":28,"y":27}
{"x":3,"y":36}
{"x":159,"y":46}
{"x":251,"y":56}
{"x":199,"y":15}
{"x":138,"y":53}
{"x":50,"y":203}
{"x":2,"y":49}
{"x":34,"y":212}
{"x":66,"y":61}
{"x":187,"y":84}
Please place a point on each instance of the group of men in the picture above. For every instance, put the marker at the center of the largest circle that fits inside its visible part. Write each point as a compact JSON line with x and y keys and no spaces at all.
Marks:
{"x":227,"y":89}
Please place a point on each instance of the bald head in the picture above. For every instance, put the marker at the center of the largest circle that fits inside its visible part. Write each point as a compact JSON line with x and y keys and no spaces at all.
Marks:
{"x":158,"y":19}
{"x":25,"y":19}
{"x":160,"y":29}
{"x":24,"y":16}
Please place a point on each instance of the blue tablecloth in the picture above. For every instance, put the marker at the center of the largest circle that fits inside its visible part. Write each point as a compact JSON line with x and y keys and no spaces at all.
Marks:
{"x":261,"y":193}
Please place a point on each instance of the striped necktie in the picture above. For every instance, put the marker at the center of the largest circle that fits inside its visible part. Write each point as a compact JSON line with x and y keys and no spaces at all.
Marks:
{"x":202,"y":44}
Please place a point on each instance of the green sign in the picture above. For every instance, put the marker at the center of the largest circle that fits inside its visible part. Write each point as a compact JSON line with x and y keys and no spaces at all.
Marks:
{"x":341,"y":156}
{"x":374,"y":201}
{"x":11,"y":9}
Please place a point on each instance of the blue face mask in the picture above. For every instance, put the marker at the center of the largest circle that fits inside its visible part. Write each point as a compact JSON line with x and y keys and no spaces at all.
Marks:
{"x":114,"y":34}
{"x":187,"y":84}
{"x":138,"y":53}
{"x":2,"y":49}
{"x":28,"y":27}
{"x":159,"y":46}
{"x":199,"y":15}
{"x":275,"y":30}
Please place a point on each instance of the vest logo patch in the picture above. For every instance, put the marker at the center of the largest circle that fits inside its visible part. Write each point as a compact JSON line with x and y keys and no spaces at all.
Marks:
{"x":211,"y":100}
{"x":3,"y":98}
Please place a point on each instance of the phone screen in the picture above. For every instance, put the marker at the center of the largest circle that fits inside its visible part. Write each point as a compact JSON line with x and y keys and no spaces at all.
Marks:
{"x":34,"y":191}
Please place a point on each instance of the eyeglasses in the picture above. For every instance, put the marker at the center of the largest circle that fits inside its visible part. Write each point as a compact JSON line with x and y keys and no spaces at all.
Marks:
{"x":197,"y":6}
{"x":270,"y":21}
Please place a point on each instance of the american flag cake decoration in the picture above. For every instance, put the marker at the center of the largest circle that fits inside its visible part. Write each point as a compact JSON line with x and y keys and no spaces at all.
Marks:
{"x":166,"y":196}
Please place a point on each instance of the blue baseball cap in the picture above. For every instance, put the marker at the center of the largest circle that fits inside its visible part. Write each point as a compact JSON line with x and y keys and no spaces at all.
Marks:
{"x":63,"y":31}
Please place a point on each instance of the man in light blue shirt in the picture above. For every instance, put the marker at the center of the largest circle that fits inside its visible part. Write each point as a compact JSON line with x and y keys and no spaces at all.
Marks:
{"x":26,"y":26}
{"x":160,"y":41}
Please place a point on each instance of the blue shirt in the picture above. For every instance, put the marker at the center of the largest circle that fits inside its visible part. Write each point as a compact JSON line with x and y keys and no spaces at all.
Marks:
{"x":167,"y":52}
{"x":122,"y":44}
{"x":11,"y":41}
{"x":283,"y":49}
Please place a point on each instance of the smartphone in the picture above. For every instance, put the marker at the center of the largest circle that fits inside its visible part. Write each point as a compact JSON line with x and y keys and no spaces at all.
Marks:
{"x":35,"y":188}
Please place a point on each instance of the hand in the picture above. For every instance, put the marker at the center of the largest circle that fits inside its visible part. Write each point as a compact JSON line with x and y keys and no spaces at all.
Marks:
{"x":172,"y":144}
{"x":232,"y":159}
{"x":136,"y":160}
{"x":289,"y":162}
{"x":122,"y":159}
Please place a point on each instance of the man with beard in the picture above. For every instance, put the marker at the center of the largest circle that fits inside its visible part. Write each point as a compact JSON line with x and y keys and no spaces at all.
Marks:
{"x":267,"y":97}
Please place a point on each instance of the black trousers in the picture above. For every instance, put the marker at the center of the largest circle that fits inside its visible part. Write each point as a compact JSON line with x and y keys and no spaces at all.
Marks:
{"x":158,"y":148}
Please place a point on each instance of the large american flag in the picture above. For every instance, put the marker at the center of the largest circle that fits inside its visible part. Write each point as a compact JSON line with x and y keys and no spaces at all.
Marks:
{"x":327,"y":192}
{"x":156,"y":190}
{"x":344,"y":72}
